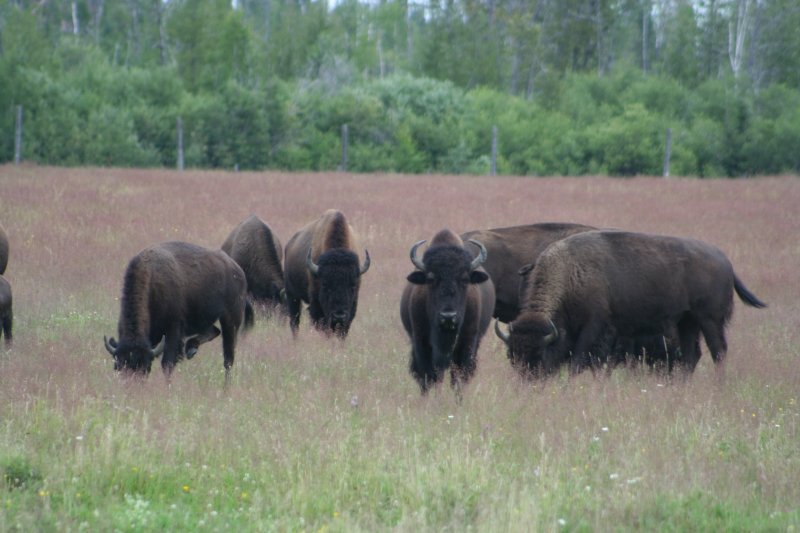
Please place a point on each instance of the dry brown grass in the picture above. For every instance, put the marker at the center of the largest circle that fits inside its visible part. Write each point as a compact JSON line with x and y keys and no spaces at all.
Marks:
{"x":513,"y":456}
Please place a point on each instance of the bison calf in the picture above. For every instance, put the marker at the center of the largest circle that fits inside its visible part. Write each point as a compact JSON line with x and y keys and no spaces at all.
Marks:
{"x":173,"y":292}
{"x":446,"y":308}
{"x":6,"y":314}
{"x":595,"y":285}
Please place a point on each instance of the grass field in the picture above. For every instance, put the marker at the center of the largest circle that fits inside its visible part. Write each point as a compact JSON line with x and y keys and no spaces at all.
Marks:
{"x":315,"y":434}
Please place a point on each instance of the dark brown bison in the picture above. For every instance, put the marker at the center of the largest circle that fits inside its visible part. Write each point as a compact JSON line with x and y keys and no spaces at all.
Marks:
{"x":6,"y":314}
{"x":446,"y":308}
{"x":598,"y":285}
{"x":3,"y":250}
{"x":321,"y":268}
{"x":177,"y":291}
{"x":510,"y":249}
{"x":256,"y":249}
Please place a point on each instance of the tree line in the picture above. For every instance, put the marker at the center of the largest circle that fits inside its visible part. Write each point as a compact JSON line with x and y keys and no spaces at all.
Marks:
{"x":574,"y":87}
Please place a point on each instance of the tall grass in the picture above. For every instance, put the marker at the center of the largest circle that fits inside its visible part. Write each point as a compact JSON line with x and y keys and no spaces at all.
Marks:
{"x":316,"y":434}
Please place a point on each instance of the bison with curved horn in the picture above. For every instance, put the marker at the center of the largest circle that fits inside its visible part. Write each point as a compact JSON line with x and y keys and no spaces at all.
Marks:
{"x":321,"y":268}
{"x":175,"y":292}
{"x":597,"y":284}
{"x":446,"y":308}
{"x":256,"y":248}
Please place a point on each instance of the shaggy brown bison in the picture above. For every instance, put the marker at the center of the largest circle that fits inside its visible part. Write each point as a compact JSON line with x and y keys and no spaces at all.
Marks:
{"x":175,"y":291}
{"x":596,"y":285}
{"x":6,"y":313}
{"x":508,"y":250}
{"x":256,"y":249}
{"x":446,"y":308}
{"x":321,"y":268}
{"x":3,"y":250}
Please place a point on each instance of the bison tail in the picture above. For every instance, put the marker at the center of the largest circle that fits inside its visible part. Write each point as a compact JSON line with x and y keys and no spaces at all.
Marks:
{"x":249,"y":315}
{"x":747,"y":297}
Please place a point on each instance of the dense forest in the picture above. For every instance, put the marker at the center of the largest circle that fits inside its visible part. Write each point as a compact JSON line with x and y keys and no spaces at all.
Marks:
{"x":572,"y":86}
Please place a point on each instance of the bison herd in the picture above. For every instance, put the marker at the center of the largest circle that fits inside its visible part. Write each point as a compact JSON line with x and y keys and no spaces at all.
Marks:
{"x":571,"y":295}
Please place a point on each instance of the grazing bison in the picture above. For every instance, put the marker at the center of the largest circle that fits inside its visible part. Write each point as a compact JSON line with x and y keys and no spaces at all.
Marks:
{"x":174,"y":291}
{"x":509,"y":250}
{"x":256,"y":249}
{"x":6,"y":314}
{"x":3,"y":250}
{"x":321,"y":268}
{"x":593,"y":286}
{"x":446,"y":308}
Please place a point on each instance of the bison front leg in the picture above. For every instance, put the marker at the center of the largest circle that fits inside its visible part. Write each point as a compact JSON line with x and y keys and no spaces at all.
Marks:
{"x":7,"y":323}
{"x":294,"y":306}
{"x":421,"y":366}
{"x":173,"y":350}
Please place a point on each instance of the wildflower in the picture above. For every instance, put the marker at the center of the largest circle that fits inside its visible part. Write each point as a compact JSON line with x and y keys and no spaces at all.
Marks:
{"x":79,"y":437}
{"x":604,"y":429}
{"x":43,"y":493}
{"x":186,"y":488}
{"x":562,"y":522}
{"x":336,"y":514}
{"x":244,"y":495}
{"x":613,"y":476}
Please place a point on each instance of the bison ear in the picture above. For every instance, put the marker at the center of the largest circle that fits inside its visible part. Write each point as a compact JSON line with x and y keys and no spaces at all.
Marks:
{"x":476,"y":276}
{"x":417,"y":278}
{"x":525,"y":269}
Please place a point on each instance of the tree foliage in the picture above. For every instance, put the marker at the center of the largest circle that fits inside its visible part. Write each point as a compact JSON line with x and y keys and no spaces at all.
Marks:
{"x":573,"y":87}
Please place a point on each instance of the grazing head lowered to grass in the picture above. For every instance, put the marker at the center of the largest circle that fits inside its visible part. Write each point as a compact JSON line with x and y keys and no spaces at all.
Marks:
{"x":172,"y":295}
{"x":593,"y":286}
{"x":321,"y":268}
{"x":446,"y":308}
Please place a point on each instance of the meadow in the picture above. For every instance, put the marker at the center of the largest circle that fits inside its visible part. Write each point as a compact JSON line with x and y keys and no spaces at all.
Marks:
{"x":315,"y":434}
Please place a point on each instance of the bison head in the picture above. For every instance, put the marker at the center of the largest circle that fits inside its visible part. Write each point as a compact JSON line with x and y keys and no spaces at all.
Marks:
{"x":133,"y":356}
{"x":447,"y":270}
{"x":533,"y":345}
{"x":337,"y":277}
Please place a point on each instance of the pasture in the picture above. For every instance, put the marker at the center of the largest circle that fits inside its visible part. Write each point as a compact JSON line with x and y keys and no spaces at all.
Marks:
{"x":316,"y":434}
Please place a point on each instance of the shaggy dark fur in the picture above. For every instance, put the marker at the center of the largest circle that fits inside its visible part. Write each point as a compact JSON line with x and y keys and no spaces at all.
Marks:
{"x":332,"y":292}
{"x":177,"y":291}
{"x":256,"y":249}
{"x":3,"y":250}
{"x":446,"y":309}
{"x":607,"y":284}
{"x":509,"y":249}
{"x":6,"y":312}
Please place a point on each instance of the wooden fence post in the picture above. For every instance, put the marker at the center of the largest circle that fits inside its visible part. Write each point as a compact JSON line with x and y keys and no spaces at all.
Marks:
{"x":18,"y":137}
{"x":667,"y":151}
{"x":345,"y":141}
{"x":180,"y":143}
{"x":494,"y":151}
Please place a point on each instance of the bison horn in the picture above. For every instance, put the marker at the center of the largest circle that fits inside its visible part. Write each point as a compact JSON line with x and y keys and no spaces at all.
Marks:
{"x":312,"y":266}
{"x":551,"y":337}
{"x":417,"y":263}
{"x":365,"y":266}
{"x":478,"y":261}
{"x":111,"y":345}
{"x":500,"y":333}
{"x":159,"y":349}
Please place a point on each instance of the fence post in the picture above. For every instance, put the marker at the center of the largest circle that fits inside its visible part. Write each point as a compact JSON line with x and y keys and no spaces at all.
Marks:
{"x":180,"y":143}
{"x":667,"y":151}
{"x":494,"y":150}
{"x":18,"y":137}
{"x":345,"y":141}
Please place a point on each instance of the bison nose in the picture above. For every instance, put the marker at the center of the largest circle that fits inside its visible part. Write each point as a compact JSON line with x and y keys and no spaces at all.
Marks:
{"x":340,"y":315}
{"x":447,"y":318}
